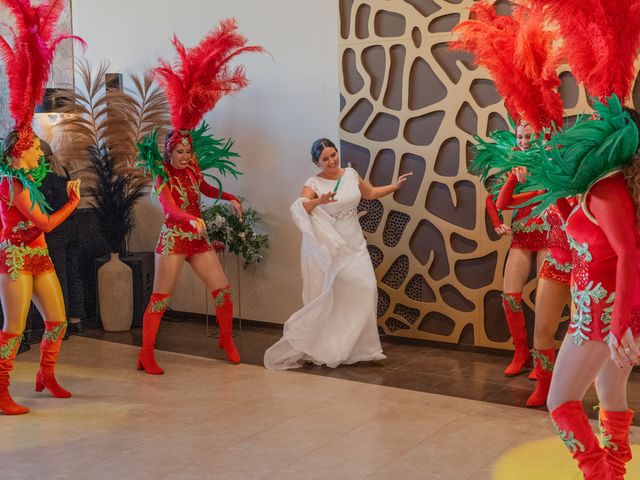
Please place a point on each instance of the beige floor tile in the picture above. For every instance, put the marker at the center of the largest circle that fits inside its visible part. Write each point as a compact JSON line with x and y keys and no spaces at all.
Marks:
{"x":209,"y":419}
{"x":322,"y":467}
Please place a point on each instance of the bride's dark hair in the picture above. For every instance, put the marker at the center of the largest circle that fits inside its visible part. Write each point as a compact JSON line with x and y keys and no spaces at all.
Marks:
{"x":318,"y":146}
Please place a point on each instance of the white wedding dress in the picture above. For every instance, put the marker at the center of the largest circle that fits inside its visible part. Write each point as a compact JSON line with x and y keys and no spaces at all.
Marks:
{"x":337,"y":324}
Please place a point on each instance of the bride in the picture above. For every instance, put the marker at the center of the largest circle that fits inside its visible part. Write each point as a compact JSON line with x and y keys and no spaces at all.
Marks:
{"x":338,"y":321}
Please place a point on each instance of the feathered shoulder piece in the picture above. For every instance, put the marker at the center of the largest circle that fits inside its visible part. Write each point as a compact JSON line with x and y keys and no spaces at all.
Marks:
{"x":518,"y":52}
{"x":601,"y":41}
{"x":31,"y":181}
{"x":202,"y":75}
{"x":490,"y":154}
{"x":28,"y":61}
{"x":578,"y":156}
{"x":210,"y":152}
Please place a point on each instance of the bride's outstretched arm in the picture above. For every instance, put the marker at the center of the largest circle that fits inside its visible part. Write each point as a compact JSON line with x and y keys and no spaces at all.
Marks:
{"x":369,"y":192}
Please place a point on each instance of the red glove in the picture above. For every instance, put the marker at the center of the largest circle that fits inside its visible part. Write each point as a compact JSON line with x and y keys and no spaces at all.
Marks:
{"x":492,"y":211}
{"x":507,"y":200}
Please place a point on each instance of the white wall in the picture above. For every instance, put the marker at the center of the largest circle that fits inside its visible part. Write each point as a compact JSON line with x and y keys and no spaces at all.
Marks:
{"x":292,"y":100}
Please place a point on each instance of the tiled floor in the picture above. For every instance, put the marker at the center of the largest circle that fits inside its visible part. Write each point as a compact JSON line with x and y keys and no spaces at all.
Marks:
{"x":208,"y":419}
{"x":411,"y":366}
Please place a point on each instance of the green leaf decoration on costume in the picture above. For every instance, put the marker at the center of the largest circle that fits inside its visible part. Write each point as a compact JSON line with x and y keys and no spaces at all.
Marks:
{"x":31,"y":181}
{"x":214,"y":154}
{"x":544,"y":361}
{"x":218,"y":300}
{"x":514,"y":304}
{"x":606,"y":438}
{"x":168,"y":236}
{"x":576,"y":157}
{"x":16,"y":255}
{"x":8,"y":348}
{"x":569,"y":440}
{"x":582,"y":317}
{"x":159,"y":305}
{"x":55,"y":333}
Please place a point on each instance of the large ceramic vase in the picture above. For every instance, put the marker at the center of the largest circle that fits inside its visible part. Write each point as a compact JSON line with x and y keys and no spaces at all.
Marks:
{"x":115,"y":294}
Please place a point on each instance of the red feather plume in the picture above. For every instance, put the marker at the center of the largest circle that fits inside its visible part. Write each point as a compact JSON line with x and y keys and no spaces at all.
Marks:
{"x":518,"y":52}
{"x":28,"y":61}
{"x":203,"y":75}
{"x":601,"y":41}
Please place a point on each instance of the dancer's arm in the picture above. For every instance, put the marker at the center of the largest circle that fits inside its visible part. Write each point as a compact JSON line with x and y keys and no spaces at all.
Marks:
{"x":615,"y":213}
{"x":175,"y":213}
{"x":213,"y":192}
{"x":507,"y":200}
{"x":46,"y":223}
{"x":500,"y":228}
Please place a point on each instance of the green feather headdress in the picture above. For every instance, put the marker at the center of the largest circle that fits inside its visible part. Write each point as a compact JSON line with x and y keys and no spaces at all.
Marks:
{"x":578,"y":156}
{"x":210,"y":152}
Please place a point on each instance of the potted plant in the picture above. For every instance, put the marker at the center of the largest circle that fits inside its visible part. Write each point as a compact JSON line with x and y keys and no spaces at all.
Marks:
{"x":99,"y":136}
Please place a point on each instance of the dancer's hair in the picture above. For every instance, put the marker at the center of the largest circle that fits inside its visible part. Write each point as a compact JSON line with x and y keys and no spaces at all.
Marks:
{"x":632,"y":169}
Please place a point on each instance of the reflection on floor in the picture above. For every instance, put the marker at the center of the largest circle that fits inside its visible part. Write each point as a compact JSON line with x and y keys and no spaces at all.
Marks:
{"x":474,"y":376}
{"x":207,"y":419}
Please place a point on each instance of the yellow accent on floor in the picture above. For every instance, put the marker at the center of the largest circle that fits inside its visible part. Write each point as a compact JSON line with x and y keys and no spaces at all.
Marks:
{"x":548,"y":459}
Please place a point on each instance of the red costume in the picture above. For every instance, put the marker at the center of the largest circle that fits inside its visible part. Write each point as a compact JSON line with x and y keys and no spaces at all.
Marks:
{"x":601,"y":43}
{"x":181,"y":205}
{"x":193,"y":87}
{"x":605,"y":259}
{"x":22,"y":245}
{"x":23,"y":250}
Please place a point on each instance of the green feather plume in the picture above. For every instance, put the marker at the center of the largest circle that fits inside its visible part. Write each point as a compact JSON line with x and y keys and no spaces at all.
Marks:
{"x":31,"y":181}
{"x":578,"y":156}
{"x":213,"y":154}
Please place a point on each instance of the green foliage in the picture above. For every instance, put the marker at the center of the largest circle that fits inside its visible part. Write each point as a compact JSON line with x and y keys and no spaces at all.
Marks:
{"x":240,"y":237}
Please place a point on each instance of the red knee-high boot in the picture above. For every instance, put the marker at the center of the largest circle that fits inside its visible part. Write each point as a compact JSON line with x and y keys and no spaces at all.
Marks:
{"x":574,"y":430}
{"x":512,"y":304}
{"x":224,"y":315}
{"x":9,"y":343}
{"x":543,"y":361}
{"x":49,"y":349}
{"x":614,"y":431}
{"x":150,"y":324}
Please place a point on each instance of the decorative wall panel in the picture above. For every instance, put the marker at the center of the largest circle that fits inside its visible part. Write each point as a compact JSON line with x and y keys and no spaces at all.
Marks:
{"x":409,"y":104}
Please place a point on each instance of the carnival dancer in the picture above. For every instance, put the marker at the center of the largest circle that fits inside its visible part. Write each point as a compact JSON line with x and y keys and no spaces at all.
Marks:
{"x":26,"y":271}
{"x":517,"y":50}
{"x":552,"y":289}
{"x":597,"y":161}
{"x":193,"y":88}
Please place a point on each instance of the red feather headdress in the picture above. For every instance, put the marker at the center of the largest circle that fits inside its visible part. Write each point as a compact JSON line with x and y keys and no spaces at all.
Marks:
{"x":202,"y":77}
{"x":28,"y":62}
{"x":518,"y":52}
{"x":601,"y":41}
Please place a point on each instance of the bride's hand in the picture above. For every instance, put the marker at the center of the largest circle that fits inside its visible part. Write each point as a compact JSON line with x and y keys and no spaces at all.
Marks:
{"x":401,"y":180}
{"x":326,"y":198}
